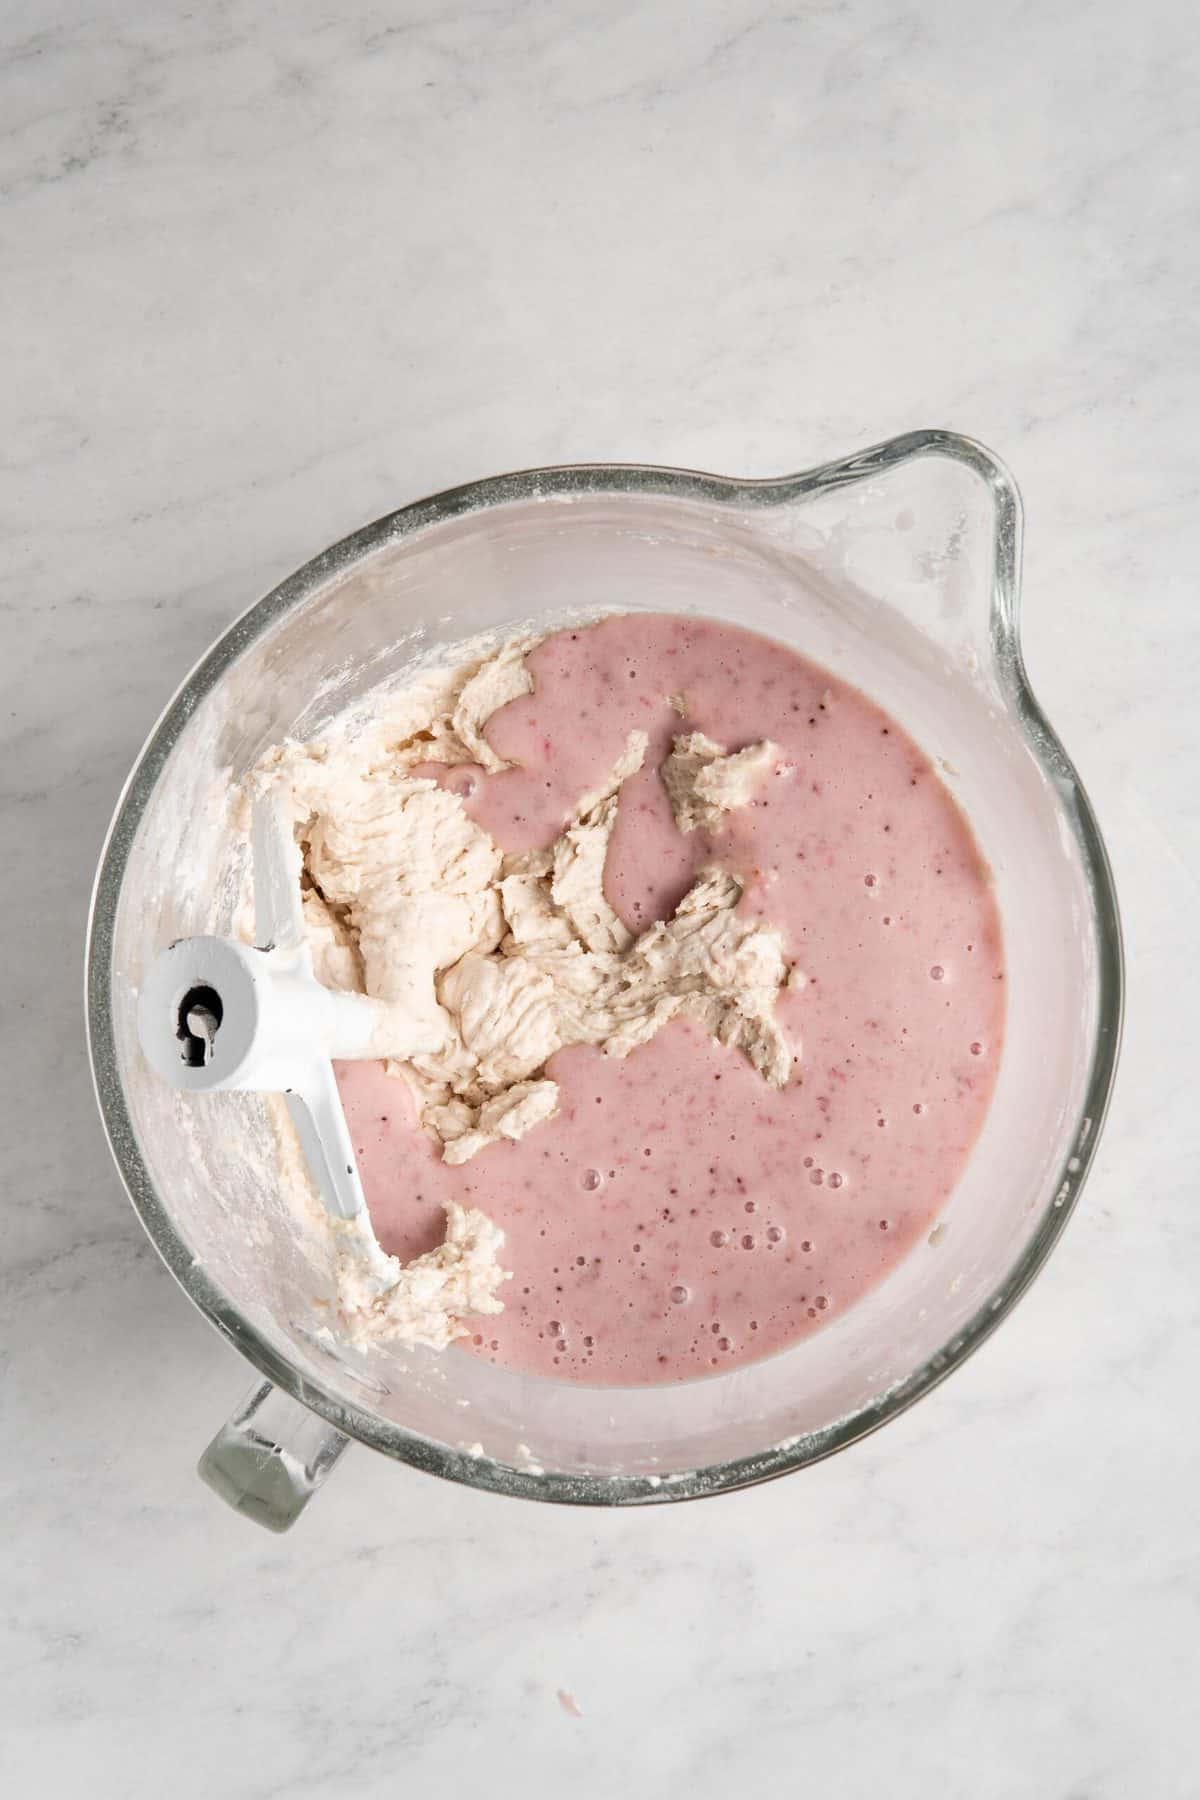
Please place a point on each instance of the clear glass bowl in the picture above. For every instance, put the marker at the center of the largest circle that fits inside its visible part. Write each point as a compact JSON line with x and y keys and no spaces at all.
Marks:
{"x":897,"y":568}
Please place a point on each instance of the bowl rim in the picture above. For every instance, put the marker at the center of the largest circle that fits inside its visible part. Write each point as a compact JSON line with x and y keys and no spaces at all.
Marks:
{"x":617,"y":479}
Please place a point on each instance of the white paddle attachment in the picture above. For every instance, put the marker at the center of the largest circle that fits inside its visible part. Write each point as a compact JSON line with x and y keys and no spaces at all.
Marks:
{"x":216,"y":1016}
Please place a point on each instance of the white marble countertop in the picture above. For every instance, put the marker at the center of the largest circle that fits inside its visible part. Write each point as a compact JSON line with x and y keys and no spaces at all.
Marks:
{"x":268,"y":271}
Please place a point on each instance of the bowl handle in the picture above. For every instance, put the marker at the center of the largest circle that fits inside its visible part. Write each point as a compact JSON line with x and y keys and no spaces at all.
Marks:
{"x":270,"y":1457}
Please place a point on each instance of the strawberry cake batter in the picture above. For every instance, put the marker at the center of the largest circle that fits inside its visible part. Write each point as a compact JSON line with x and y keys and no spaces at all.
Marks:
{"x":698,"y":982}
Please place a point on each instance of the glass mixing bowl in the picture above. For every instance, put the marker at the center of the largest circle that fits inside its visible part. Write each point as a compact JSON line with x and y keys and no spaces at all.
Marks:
{"x":898,"y":569}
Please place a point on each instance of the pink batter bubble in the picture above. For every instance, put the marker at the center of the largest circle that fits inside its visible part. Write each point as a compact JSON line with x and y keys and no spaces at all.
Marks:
{"x":892,"y":1084}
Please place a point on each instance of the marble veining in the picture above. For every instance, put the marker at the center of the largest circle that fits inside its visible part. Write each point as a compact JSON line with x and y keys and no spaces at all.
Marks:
{"x":267,"y":272}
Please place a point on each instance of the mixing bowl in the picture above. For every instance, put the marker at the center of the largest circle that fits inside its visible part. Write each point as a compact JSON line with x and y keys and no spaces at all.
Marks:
{"x":898,"y":569}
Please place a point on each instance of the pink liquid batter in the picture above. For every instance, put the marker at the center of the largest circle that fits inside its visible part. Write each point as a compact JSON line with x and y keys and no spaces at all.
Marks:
{"x":679,"y":1216}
